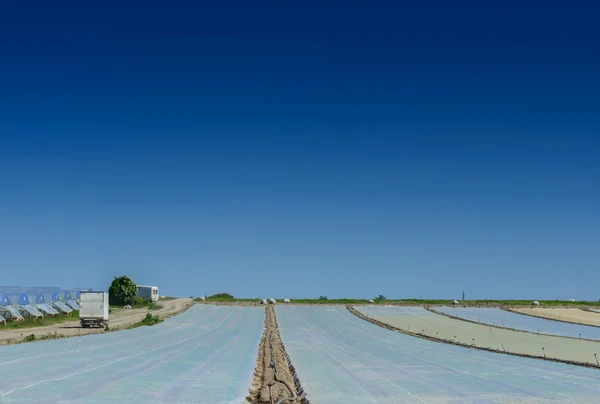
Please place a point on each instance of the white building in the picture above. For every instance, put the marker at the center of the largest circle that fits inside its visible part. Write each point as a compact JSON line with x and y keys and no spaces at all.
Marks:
{"x":148,"y":292}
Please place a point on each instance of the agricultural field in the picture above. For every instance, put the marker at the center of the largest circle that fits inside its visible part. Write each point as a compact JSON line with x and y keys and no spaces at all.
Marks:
{"x":343,"y":359}
{"x":503,"y":318}
{"x":420,"y":321}
{"x":576,"y":316}
{"x":205,"y":355}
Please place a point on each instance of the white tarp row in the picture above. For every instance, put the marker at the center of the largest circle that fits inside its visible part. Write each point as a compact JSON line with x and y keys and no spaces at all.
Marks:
{"x":31,"y":310}
{"x":73,"y":304}
{"x":343,"y":359}
{"x":423,"y":321}
{"x":205,"y":355}
{"x":62,"y":307}
{"x":46,"y":309}
{"x":14,"y":313}
{"x":503,"y":318}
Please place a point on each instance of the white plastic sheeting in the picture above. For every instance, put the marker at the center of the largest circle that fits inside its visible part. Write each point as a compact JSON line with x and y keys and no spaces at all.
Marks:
{"x":46,"y":309}
{"x":419,"y":320}
{"x":14,"y":313}
{"x":73,"y":304}
{"x":62,"y":307}
{"x":503,"y":318}
{"x":31,"y":310}
{"x":205,"y":355}
{"x":343,"y":359}
{"x":2,"y":319}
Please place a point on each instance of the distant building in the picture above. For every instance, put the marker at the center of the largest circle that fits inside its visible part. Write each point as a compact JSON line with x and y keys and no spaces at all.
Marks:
{"x":148,"y":292}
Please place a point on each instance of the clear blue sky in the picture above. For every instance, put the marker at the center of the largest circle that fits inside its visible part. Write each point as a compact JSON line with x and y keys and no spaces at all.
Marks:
{"x":413,"y":149}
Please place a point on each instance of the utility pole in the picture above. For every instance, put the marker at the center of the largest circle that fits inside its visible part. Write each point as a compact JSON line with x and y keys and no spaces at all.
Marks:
{"x":463,"y":295}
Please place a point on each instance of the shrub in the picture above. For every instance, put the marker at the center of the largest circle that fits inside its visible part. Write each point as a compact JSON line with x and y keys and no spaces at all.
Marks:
{"x":122,"y":291}
{"x":151,"y":320}
{"x":29,"y":338}
{"x":222,"y":297}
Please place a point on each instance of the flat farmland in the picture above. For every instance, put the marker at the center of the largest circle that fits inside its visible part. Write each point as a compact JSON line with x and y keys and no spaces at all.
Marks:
{"x":503,"y":318}
{"x":577,"y":316}
{"x":341,"y":358}
{"x":205,"y":355}
{"x":418,"y":320}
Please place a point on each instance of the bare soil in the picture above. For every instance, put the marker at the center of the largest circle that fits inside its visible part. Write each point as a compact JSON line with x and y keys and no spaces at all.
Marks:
{"x":117,"y":320}
{"x":274,"y":377}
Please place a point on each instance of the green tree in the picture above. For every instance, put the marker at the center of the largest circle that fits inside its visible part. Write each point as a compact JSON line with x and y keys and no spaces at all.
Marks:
{"x":381,"y":297}
{"x":322,"y":297}
{"x":122,"y":291}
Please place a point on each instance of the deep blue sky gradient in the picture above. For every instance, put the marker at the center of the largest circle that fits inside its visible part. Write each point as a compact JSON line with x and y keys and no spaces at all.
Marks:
{"x":339,"y":148}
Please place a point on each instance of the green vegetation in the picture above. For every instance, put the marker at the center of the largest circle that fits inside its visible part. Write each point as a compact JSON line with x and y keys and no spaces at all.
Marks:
{"x":137,"y":303}
{"x":32,"y":337}
{"x":221,"y":297}
{"x":51,"y":336}
{"x":322,"y":297}
{"x":122,"y":291}
{"x":40,"y":322}
{"x":380,"y":298}
{"x":149,"y":320}
{"x":140,"y":302}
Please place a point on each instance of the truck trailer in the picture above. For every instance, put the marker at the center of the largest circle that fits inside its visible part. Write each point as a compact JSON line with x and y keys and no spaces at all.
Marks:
{"x":148,"y":292}
{"x":93,"y":309}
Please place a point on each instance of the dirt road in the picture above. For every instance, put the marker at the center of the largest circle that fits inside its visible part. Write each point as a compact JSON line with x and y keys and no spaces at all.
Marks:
{"x":117,"y":320}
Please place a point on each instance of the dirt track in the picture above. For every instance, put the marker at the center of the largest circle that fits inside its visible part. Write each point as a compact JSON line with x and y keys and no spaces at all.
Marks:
{"x":117,"y":320}
{"x":273,"y":377}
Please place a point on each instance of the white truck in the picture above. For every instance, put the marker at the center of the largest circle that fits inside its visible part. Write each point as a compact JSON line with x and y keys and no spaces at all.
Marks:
{"x":93,"y":309}
{"x":148,"y":292}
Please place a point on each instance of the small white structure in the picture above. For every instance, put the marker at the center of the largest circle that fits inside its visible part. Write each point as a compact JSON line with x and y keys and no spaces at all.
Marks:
{"x":371,"y":301}
{"x":202,"y":298}
{"x":148,"y":292}
{"x":263,"y":301}
{"x":455,"y":302}
{"x":127,"y":307}
{"x":286,"y":300}
{"x":535,"y":303}
{"x":272,"y":301}
{"x":572,"y":300}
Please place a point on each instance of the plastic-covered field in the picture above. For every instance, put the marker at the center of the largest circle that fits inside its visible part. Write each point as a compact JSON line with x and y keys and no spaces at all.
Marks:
{"x":503,"y":318}
{"x":419,"y":320}
{"x":571,"y":315}
{"x":205,"y":355}
{"x":343,"y":359}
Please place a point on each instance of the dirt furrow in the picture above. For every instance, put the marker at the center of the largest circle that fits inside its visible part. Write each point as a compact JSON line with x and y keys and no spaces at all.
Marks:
{"x":275,"y":379}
